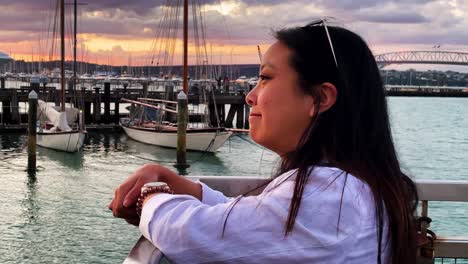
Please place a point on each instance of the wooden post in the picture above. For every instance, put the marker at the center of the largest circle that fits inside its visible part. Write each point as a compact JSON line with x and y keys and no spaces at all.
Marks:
{"x":86,"y":106}
{"x":247,"y":114}
{"x":15,"y":114}
{"x":145,"y":89}
{"x":116,"y":107}
{"x":240,"y":116}
{"x":44,"y":92}
{"x":97,"y":106}
{"x":211,"y":110}
{"x":106,"y":100}
{"x":6,"y":111}
{"x":169,"y":95}
{"x":2,"y":86}
{"x":87,"y":112}
{"x":230,"y":116}
{"x":182,"y":113}
{"x":116,"y":112}
{"x":56,"y":97}
{"x":32,"y":120}
{"x":221,"y":113}
{"x":240,"y":112}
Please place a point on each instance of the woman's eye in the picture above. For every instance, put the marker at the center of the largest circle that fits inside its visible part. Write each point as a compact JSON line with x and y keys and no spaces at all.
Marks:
{"x":264,"y":77}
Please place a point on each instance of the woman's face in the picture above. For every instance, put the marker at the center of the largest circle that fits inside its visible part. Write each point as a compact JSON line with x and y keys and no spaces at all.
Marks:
{"x":281,"y":111}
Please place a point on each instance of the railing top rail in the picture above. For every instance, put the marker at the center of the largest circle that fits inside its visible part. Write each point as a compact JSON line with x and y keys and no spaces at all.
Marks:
{"x":430,"y":190}
{"x":451,"y":247}
{"x":443,"y":190}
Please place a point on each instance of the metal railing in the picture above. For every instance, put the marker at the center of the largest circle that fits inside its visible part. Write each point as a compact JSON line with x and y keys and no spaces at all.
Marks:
{"x":447,"y":249}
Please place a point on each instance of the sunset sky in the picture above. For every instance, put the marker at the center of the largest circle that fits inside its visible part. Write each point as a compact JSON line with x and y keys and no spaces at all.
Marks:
{"x":122,"y":32}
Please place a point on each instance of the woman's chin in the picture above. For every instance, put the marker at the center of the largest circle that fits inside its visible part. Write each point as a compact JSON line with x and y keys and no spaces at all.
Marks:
{"x":255,"y":136}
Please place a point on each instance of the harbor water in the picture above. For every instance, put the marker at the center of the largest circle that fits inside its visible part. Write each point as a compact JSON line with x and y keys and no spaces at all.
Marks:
{"x":60,"y":215}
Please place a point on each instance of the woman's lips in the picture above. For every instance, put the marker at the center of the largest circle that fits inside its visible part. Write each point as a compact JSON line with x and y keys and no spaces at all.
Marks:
{"x":255,"y":114}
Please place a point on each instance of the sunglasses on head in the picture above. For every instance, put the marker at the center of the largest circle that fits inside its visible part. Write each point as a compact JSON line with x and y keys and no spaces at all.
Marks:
{"x":323,"y":22}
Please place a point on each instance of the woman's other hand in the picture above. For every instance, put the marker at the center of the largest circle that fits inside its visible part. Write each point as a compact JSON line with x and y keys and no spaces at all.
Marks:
{"x":123,"y":205}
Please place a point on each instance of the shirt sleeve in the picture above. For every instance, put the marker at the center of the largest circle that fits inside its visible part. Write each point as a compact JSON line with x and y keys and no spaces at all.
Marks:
{"x":212,"y":197}
{"x":187,"y":230}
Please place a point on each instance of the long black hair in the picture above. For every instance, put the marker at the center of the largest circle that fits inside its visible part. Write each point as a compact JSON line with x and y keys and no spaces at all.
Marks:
{"x":354,"y":134}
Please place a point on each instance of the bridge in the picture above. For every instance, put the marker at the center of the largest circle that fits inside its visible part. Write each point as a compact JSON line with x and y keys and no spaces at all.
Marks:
{"x":422,"y":57}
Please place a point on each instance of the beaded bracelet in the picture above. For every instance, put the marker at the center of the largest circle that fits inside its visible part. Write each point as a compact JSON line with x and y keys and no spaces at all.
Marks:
{"x":150,"y":188}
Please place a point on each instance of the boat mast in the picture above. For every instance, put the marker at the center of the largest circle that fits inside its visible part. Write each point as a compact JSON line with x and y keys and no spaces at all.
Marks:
{"x":74,"y":42}
{"x":62,"y":51}
{"x":185,"y":46}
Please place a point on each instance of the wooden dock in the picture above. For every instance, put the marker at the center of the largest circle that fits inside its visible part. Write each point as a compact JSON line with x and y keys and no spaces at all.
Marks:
{"x":107,"y":117}
{"x":425,"y":91}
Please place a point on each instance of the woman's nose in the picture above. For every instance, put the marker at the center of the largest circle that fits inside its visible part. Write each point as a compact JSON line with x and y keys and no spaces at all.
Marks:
{"x":251,"y":98}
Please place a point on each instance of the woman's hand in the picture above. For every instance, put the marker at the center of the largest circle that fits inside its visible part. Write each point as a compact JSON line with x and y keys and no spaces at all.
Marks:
{"x":123,"y":205}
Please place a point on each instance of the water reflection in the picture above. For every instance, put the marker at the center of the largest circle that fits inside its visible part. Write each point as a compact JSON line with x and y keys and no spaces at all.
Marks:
{"x":29,"y":203}
{"x":11,"y":143}
{"x":167,"y":157}
{"x":149,"y":152}
{"x":103,"y":142}
{"x":69,"y":160}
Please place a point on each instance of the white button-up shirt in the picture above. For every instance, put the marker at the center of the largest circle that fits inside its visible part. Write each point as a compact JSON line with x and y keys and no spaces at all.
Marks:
{"x":335,"y":224}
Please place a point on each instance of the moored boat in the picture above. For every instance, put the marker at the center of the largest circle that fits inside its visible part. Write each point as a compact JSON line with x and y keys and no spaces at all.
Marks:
{"x":165,"y":135}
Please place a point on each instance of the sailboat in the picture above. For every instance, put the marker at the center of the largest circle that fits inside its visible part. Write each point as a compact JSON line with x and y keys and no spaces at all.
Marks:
{"x":161,"y":132}
{"x":56,"y":133}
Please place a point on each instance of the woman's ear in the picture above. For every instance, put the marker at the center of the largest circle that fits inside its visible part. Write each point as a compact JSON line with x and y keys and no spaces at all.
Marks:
{"x":328,"y":95}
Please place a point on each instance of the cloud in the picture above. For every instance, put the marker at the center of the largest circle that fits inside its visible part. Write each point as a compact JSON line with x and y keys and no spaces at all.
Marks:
{"x":238,"y":22}
{"x":402,"y":17}
{"x":352,"y":5}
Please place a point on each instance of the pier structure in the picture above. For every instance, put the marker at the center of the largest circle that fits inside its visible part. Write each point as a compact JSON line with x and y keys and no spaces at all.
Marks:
{"x":101,"y":101}
{"x":426,"y":91}
{"x":101,"y":104}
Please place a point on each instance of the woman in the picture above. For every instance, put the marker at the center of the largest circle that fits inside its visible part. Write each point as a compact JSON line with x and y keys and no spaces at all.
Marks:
{"x":339,"y":196}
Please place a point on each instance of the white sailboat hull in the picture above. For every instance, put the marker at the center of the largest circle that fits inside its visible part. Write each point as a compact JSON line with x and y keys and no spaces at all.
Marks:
{"x":70,"y":141}
{"x":200,"y":141}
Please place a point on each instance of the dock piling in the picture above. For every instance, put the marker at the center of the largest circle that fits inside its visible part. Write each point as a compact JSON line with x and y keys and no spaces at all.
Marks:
{"x":182,"y":114}
{"x":240,"y":116}
{"x":247,"y":114}
{"x":106,"y":100}
{"x":32,"y":122}
{"x":15,"y":113}
{"x":97,"y":106}
{"x":116,"y":108}
{"x":230,"y":116}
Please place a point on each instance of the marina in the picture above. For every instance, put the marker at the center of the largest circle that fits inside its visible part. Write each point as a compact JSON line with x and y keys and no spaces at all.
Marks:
{"x":82,"y":115}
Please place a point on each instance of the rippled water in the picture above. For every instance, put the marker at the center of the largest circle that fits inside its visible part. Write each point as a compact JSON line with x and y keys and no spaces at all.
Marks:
{"x":61,"y":216}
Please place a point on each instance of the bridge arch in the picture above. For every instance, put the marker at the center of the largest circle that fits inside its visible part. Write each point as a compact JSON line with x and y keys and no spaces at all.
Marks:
{"x":422,"y":57}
